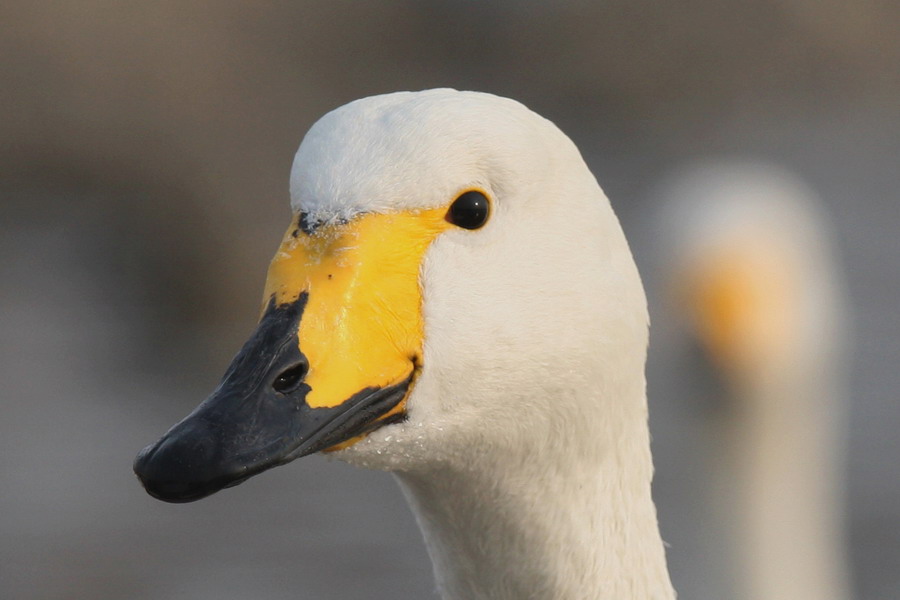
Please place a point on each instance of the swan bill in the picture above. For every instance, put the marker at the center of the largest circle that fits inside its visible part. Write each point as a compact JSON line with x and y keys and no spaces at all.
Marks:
{"x":333,"y":358}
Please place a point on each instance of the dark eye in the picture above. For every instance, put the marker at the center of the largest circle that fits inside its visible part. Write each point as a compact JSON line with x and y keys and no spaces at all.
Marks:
{"x":470,"y":210}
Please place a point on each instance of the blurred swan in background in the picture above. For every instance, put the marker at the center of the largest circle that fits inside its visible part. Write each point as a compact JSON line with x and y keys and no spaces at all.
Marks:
{"x":750,"y":273}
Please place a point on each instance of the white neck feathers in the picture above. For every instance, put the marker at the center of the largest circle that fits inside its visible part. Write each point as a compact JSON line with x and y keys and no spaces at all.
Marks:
{"x":575,"y":522}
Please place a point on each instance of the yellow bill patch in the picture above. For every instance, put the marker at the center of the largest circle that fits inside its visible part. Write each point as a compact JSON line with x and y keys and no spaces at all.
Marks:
{"x":743,"y":304}
{"x":362,"y":325}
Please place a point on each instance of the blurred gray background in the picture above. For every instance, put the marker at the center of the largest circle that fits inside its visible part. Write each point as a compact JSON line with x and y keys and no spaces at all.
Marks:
{"x":144,"y":156}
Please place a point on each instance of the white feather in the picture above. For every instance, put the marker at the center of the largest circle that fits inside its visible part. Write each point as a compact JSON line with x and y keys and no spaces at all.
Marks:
{"x":526,"y":456}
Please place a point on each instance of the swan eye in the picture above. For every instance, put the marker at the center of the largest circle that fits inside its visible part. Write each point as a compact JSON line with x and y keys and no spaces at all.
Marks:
{"x":470,"y":210}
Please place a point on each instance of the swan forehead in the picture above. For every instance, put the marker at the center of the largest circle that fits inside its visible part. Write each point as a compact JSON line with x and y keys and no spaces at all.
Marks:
{"x":413,"y":150}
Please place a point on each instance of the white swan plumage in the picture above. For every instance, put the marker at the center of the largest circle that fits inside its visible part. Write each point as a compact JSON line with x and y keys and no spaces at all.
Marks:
{"x":748,"y":254}
{"x":521,"y":440}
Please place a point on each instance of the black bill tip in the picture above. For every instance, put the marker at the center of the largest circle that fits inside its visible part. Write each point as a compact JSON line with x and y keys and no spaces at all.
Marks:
{"x":209,"y":451}
{"x":185,"y":466}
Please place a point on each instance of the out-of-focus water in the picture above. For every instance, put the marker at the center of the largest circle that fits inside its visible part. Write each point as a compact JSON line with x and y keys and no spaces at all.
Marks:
{"x":143,"y":187}
{"x":79,"y":402}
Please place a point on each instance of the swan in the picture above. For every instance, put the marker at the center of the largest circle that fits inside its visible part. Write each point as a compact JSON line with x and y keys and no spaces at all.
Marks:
{"x":753,"y":278}
{"x":454,"y":301}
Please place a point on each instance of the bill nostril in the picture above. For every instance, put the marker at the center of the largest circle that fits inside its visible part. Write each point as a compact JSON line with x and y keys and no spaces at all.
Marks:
{"x":290,"y":378}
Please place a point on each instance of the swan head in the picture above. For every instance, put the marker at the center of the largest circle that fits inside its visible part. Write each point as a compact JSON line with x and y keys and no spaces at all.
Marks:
{"x":453,"y":284}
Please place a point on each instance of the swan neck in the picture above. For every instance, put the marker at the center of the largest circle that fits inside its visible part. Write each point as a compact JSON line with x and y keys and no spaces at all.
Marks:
{"x":571,"y":523}
{"x":783,"y":465}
